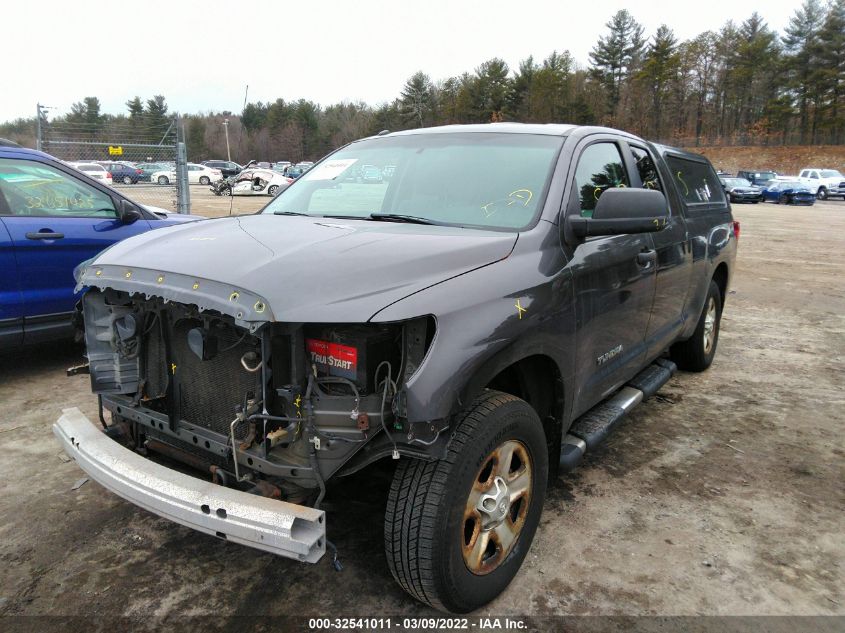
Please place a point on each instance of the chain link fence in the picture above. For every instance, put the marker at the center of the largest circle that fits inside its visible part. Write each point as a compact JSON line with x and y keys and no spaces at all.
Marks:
{"x":137,"y":156}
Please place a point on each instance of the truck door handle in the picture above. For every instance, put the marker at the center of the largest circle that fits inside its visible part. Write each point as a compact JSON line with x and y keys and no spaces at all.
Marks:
{"x":44,"y":235}
{"x":646,"y":258}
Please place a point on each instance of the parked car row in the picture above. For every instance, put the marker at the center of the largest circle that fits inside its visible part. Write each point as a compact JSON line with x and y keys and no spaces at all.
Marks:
{"x":117,"y":171}
{"x":755,"y":186}
{"x":95,"y":171}
{"x":230,"y":168}
{"x":197,"y":175}
{"x":779,"y":189}
{"x":256,"y":178}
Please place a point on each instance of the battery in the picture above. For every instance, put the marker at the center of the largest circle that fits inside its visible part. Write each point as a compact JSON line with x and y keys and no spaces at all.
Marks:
{"x":352,"y":352}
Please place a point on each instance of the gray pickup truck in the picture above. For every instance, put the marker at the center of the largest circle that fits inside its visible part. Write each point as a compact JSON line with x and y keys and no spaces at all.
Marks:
{"x":483,"y":314}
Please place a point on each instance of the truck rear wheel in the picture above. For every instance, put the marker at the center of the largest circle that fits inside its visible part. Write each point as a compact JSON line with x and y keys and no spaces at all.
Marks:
{"x":457,"y":530}
{"x":696,"y":353}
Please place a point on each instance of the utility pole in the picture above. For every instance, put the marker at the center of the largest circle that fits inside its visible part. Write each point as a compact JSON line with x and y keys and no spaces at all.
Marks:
{"x":226,"y":128}
{"x":183,"y":192}
{"x":40,"y":112}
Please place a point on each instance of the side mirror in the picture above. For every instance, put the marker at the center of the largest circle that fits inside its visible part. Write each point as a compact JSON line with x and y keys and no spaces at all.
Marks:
{"x":623,"y":210}
{"x":128,"y":212}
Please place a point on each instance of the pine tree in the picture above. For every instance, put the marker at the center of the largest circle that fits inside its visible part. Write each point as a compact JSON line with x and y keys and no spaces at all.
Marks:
{"x":491,"y":90}
{"x":550,"y":89}
{"x":755,"y":52}
{"x":195,"y":140}
{"x":93,"y":119}
{"x":660,"y":65}
{"x":136,"y":109}
{"x":800,"y":44}
{"x":158,"y":120}
{"x":417,"y":99}
{"x":615,"y":57}
{"x":520,"y":98}
{"x":702,"y":55}
{"x":831,"y":69}
{"x":253,"y":117}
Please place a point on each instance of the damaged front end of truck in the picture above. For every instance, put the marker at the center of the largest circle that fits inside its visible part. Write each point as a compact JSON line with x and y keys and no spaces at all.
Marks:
{"x":200,"y":373}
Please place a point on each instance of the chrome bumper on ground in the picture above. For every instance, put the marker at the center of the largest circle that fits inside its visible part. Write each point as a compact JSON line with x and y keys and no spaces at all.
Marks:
{"x":278,"y":527}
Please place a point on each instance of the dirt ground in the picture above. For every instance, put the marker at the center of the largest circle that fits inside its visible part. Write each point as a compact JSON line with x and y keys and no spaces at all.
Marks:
{"x":723,"y":495}
{"x":786,"y":160}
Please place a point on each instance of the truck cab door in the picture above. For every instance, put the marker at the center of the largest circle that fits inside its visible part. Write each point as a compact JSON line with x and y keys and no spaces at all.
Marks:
{"x":674,"y":268}
{"x":11,"y":301}
{"x":56,"y":220}
{"x":613,"y":279}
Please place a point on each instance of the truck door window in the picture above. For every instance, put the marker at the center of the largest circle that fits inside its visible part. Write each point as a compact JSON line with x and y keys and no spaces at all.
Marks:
{"x":600,"y":168}
{"x":646,"y":169}
{"x":35,"y":189}
{"x":695,"y":181}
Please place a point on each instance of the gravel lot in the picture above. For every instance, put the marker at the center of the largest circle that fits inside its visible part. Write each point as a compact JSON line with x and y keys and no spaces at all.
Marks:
{"x":722,"y":495}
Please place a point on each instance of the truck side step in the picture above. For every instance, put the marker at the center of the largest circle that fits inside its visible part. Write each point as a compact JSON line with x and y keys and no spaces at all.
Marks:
{"x":593,"y":427}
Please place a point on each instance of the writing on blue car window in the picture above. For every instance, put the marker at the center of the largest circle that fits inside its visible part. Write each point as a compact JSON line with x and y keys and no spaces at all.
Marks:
{"x":34,"y":189}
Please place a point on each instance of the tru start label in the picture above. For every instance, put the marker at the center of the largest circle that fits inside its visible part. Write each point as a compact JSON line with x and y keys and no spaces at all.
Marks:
{"x":333,"y":358}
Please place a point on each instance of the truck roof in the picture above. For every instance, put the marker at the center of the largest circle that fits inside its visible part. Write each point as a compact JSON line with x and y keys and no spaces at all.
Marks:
{"x":552,"y":129}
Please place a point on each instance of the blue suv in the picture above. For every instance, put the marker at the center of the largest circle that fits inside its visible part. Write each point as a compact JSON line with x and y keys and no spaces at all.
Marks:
{"x":53,"y":217}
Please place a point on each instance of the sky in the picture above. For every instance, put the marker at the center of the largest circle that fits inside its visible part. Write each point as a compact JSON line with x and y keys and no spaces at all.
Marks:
{"x":202,"y":54}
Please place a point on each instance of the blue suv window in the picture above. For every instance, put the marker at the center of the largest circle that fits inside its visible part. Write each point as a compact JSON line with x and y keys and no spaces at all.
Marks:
{"x":29,"y":188}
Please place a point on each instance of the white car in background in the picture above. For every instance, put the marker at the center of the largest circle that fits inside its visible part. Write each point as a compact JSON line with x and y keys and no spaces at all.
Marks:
{"x":98,"y":172}
{"x":259,"y":182}
{"x":823,"y":183}
{"x":197,"y":175}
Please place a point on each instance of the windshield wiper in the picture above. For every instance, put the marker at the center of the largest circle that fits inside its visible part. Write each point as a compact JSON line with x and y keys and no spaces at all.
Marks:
{"x":410,"y":219}
{"x":307,"y":215}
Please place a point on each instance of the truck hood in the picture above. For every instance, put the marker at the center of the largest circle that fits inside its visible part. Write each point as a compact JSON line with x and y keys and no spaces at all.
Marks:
{"x":305,"y":269}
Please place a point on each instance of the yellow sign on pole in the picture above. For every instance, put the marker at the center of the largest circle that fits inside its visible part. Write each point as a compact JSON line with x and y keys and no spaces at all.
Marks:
{"x":115,"y":151}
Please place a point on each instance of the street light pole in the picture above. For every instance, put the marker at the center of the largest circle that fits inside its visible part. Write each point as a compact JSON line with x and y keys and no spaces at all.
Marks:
{"x":226,"y":128}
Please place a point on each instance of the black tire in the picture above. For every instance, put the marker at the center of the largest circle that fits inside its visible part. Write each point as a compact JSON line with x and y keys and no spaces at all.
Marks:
{"x":163,"y":180}
{"x":427,"y":517}
{"x":205,"y":180}
{"x":273,"y":189}
{"x":695,"y":354}
{"x":127,"y":180}
{"x":783,"y":199}
{"x":821,"y":194}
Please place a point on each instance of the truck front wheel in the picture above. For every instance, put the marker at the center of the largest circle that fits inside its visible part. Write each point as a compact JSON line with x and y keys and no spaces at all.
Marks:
{"x":821,"y":194}
{"x":697,"y":352}
{"x":457,"y":530}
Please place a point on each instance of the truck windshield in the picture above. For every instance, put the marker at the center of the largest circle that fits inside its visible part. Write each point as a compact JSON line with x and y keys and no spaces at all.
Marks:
{"x":484,"y":180}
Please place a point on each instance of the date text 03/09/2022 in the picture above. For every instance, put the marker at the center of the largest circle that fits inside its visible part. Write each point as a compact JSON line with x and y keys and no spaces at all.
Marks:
{"x":418,"y":624}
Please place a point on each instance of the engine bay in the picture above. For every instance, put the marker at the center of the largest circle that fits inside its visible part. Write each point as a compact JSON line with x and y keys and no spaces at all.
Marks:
{"x":277,"y":409}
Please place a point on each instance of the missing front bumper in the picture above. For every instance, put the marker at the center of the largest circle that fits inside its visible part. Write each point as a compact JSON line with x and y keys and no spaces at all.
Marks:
{"x":285,"y":529}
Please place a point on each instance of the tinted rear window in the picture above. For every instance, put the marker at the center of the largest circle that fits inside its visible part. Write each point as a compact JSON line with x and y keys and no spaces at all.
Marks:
{"x":696,"y":182}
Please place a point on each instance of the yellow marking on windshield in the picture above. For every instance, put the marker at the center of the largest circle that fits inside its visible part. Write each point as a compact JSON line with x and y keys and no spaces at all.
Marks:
{"x":523,"y":195}
{"x":516,"y":196}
